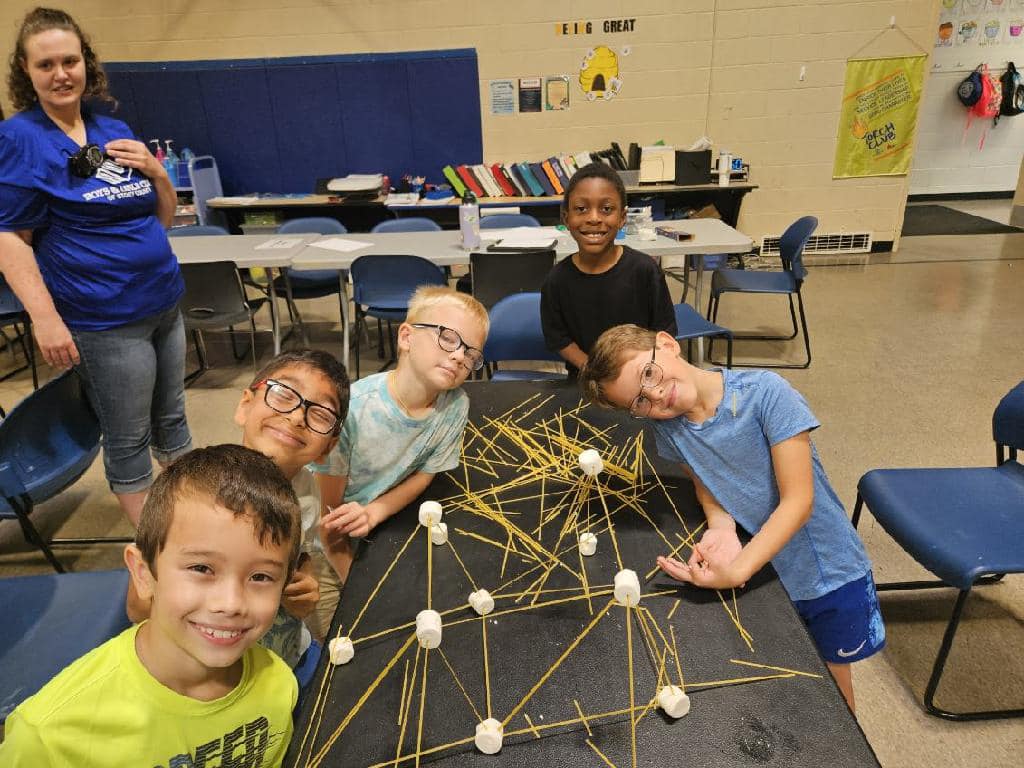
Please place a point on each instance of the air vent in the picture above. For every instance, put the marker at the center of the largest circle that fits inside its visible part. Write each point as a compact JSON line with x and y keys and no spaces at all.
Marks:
{"x":846,"y":242}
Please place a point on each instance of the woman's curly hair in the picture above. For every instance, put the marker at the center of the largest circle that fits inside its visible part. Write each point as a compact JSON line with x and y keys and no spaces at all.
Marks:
{"x":19,"y":84}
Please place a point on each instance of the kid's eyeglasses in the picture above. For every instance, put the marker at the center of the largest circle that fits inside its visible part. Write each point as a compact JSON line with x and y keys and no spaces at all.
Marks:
{"x":449,"y":340}
{"x":283,"y":399}
{"x":650,"y":376}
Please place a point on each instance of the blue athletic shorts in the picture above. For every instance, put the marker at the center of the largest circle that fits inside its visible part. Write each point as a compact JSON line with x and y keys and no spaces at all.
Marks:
{"x":846,"y":624}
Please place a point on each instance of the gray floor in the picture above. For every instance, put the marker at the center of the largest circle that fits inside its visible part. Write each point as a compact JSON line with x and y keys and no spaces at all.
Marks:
{"x":911,"y":353}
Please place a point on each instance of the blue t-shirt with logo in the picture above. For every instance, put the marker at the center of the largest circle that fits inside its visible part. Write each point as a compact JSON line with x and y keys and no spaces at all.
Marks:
{"x":103,"y":254}
{"x":731,"y":455}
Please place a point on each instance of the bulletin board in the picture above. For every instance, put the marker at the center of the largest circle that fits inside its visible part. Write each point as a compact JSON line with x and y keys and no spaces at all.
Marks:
{"x":280,"y":124}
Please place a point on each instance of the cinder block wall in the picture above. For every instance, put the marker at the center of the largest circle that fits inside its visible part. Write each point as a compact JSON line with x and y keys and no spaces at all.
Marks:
{"x":729,"y":69}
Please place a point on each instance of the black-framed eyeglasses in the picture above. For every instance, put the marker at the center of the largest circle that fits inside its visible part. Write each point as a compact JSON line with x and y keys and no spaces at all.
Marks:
{"x":449,"y":340}
{"x":650,"y":376}
{"x":283,"y":399}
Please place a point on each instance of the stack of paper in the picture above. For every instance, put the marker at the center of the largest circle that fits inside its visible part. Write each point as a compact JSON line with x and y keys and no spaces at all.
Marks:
{"x":356,"y":182}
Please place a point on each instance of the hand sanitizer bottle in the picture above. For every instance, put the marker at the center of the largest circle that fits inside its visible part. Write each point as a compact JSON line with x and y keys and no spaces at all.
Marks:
{"x":158,"y":151}
{"x":171,"y":163}
{"x":469,"y":221}
{"x":184,"y":179}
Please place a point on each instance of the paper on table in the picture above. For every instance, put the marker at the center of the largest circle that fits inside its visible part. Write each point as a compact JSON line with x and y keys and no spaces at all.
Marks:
{"x":524,"y":234}
{"x":279,"y":243}
{"x":402,"y":198}
{"x":340,"y":244}
{"x":237,"y":200}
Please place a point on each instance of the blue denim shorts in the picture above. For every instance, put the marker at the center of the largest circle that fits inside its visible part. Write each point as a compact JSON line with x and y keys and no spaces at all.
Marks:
{"x":846,"y":624}
{"x":135,"y":379}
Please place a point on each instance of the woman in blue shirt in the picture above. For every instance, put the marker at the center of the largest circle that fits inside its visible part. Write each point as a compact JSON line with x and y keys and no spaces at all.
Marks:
{"x":83,"y":208}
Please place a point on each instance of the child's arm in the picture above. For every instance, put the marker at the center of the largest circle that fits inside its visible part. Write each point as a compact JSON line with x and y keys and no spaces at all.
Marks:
{"x":574,"y":355}
{"x":719,"y":542}
{"x":791,"y":460}
{"x":354,"y":519}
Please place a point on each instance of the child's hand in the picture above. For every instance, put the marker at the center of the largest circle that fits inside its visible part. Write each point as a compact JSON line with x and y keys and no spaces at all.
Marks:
{"x":301,"y":594}
{"x":721,"y":545}
{"x":352,"y":519}
{"x":706,"y":572}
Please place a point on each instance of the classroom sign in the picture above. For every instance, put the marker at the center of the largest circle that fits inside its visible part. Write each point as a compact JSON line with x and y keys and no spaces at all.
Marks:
{"x":878,"y":117}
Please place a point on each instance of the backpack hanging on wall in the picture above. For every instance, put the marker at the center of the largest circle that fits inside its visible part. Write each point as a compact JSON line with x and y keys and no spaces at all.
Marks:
{"x":987,"y":103}
{"x":1012,"y":92}
{"x":969,"y":90}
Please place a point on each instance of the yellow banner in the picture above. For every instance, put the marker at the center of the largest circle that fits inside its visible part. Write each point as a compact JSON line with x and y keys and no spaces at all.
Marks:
{"x":879,"y":115}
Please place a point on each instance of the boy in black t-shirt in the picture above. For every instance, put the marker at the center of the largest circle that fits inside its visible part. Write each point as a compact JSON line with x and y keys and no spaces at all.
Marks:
{"x":603,"y":284}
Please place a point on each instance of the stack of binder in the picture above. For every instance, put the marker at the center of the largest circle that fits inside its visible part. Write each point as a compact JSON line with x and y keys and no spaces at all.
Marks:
{"x":548,"y":177}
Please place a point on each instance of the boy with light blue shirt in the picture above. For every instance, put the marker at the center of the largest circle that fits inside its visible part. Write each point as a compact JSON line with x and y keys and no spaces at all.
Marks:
{"x":404,"y":426}
{"x":744,"y":439}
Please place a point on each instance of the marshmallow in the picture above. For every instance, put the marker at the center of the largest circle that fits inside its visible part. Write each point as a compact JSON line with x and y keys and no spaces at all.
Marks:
{"x":430,"y":513}
{"x":673,"y":701}
{"x":439,"y":533}
{"x":627,"y":587}
{"x":591,"y":463}
{"x":481,"y":601}
{"x":588,"y":544}
{"x":341,"y":650}
{"x":428,"y":628}
{"x":489,"y":735}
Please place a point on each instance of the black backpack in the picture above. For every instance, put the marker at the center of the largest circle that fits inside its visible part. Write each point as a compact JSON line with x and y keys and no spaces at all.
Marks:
{"x":1013,"y":91}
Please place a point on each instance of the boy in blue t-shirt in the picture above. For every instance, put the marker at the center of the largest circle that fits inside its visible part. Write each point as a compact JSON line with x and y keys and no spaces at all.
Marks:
{"x":744,"y":439}
{"x":404,"y":426}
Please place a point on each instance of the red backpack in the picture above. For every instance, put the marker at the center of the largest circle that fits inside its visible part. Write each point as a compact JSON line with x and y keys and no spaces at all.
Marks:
{"x":986,"y":106}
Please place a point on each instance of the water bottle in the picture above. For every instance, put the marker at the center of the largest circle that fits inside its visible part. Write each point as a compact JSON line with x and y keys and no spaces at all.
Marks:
{"x":469,"y":221}
{"x":724,"y":167}
{"x":184,"y":179}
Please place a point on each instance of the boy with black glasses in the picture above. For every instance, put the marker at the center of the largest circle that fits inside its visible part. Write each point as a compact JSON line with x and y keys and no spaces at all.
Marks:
{"x":744,"y":440}
{"x":292,"y":413}
{"x":406,"y":425}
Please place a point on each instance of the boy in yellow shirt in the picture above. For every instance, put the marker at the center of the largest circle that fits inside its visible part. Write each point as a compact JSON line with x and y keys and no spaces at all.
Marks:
{"x":216,"y":544}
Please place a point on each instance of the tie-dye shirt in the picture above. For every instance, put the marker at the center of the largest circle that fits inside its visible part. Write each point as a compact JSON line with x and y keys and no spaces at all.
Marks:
{"x":380,"y":445}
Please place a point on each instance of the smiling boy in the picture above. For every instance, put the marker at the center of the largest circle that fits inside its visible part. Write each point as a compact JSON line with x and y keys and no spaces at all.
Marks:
{"x":744,"y":439}
{"x":216,"y":543}
{"x":404,"y":426}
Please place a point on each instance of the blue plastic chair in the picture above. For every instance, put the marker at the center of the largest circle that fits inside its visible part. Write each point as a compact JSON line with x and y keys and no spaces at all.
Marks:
{"x":516,"y":334}
{"x":382,"y":285}
{"x":48,"y":621}
{"x":508,"y":220}
{"x":965,"y":525}
{"x":47,"y":442}
{"x":412,"y":224}
{"x":12,"y":313}
{"x":690,"y":325}
{"x":311,"y":283}
{"x":788,"y":282}
{"x":205,"y":177}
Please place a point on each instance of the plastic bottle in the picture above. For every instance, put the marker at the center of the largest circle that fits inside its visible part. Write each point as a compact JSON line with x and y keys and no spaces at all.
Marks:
{"x":184,"y":179}
{"x":158,"y":151}
{"x":724,"y":167}
{"x":469,"y":221}
{"x":171,"y":162}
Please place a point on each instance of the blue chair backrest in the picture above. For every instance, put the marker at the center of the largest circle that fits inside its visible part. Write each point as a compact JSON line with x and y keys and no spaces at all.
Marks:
{"x":9,"y":303}
{"x":516,"y":332}
{"x":388,"y":281}
{"x":312,"y":225}
{"x":194,"y":230}
{"x":1008,"y":419}
{"x":47,"y":441}
{"x":412,"y":224}
{"x":792,"y":242}
{"x":205,"y":184}
{"x":508,"y":220}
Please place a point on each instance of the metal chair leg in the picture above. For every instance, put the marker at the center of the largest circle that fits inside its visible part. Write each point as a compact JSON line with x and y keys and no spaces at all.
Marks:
{"x":22,"y":507}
